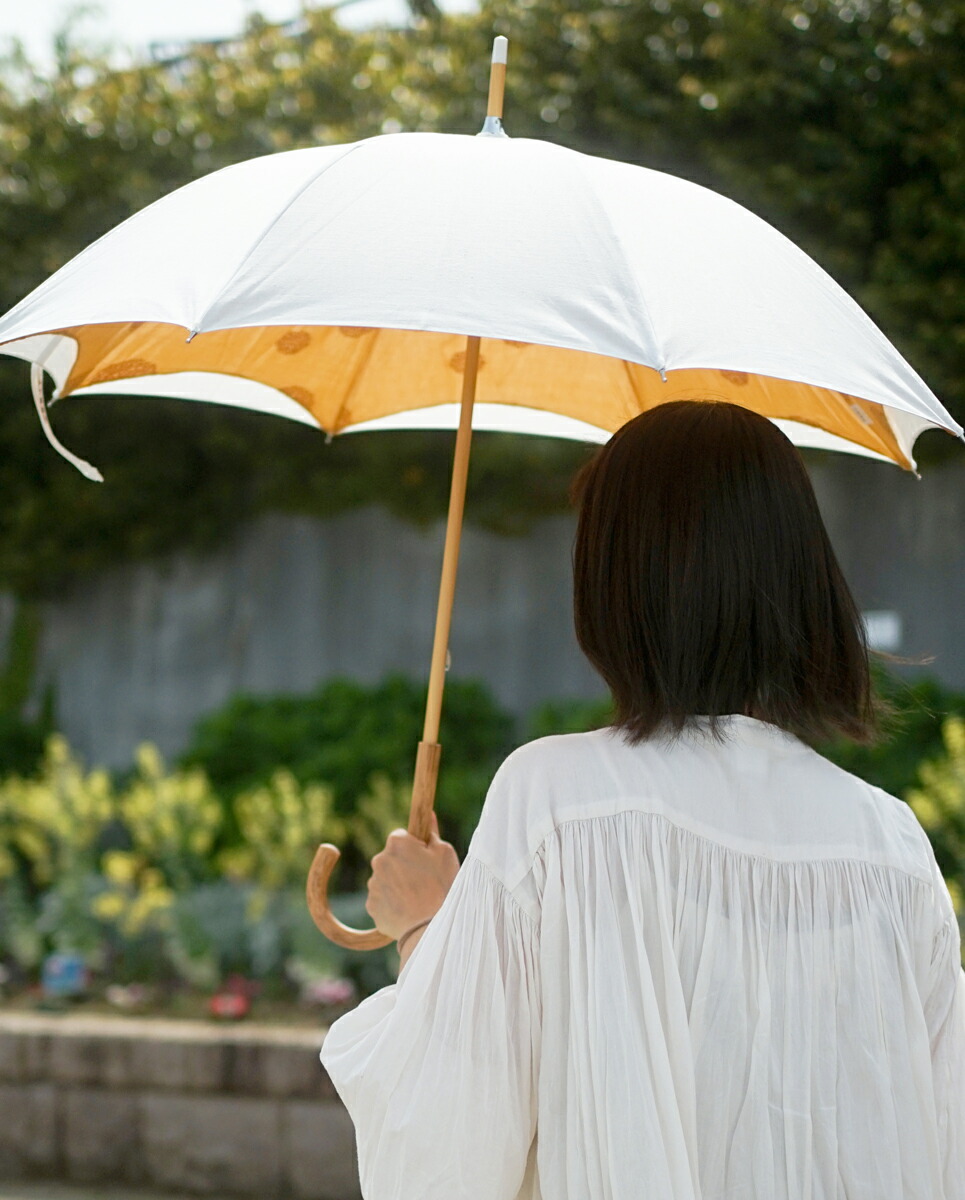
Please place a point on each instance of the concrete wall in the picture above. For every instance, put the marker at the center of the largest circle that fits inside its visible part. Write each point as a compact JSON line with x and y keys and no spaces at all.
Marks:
{"x":243,"y":1111}
{"x":901,"y":542}
{"x":142,"y":652}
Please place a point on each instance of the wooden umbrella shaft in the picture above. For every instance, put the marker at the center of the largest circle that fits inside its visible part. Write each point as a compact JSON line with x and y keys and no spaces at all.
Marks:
{"x":427,"y":757}
{"x":497,"y":83}
{"x":429,"y":752}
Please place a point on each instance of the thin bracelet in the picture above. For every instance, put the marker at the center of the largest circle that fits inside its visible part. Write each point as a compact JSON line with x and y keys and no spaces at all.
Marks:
{"x":400,"y":943}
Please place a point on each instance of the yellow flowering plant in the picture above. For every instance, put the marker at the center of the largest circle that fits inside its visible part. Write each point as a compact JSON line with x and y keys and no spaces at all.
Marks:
{"x":53,"y":823}
{"x":173,"y":820}
{"x":136,"y":898}
{"x":280,"y":825}
{"x":52,"y":827}
{"x":939,"y":804}
{"x":384,"y":807}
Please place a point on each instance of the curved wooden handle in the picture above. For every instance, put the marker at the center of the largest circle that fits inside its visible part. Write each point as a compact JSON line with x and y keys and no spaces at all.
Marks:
{"x":326,"y":856}
{"x":316,"y":893}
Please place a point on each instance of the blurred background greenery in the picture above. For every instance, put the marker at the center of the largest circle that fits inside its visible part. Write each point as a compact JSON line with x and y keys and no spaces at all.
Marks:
{"x":840,"y":121}
{"x":181,"y":877}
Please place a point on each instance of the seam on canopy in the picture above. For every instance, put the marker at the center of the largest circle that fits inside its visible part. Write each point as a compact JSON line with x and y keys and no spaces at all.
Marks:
{"x":316,"y":175}
{"x":621,"y":257}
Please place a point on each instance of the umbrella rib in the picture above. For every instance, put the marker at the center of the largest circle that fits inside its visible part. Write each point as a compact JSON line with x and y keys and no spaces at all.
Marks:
{"x":661,"y":364}
{"x":637,"y":394}
{"x":268,"y":228}
{"x":354,"y":382}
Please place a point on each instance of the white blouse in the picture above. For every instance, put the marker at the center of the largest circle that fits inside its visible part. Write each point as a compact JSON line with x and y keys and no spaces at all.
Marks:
{"x":671,"y":971}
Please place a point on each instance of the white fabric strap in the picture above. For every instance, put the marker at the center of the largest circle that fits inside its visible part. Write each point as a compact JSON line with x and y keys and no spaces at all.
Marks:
{"x":37,"y":386}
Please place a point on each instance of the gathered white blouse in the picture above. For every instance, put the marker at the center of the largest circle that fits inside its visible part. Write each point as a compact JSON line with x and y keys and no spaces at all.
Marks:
{"x":671,"y":971}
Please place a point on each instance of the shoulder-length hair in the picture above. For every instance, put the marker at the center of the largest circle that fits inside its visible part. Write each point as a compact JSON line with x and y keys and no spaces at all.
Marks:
{"x":705,"y":582}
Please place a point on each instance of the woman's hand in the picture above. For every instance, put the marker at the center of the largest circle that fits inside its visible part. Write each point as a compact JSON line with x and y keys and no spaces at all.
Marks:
{"x":410,"y":880}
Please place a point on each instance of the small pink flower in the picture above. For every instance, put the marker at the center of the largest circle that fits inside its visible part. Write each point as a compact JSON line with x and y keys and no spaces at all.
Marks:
{"x":328,"y":991}
{"x":134,"y":995}
{"x":238,"y":985}
{"x":229,"y":1006}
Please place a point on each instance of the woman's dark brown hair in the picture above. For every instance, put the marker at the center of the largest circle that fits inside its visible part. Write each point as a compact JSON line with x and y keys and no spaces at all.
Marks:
{"x":705,"y":582}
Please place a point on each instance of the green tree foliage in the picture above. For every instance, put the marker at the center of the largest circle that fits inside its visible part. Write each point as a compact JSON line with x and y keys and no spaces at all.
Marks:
{"x":85,"y":148}
{"x":21,"y":741}
{"x":841,"y":121}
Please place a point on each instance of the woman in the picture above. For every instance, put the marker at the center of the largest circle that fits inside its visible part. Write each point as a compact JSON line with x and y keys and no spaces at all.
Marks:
{"x":685,"y":956}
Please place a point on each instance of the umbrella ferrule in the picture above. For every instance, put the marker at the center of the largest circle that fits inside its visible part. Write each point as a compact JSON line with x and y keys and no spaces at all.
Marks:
{"x":492,"y":127}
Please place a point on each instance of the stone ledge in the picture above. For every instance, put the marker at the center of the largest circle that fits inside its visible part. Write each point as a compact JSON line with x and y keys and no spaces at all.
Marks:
{"x":261,"y":1149}
{"x":23,"y":1021}
{"x":246,"y":1110}
{"x":193,"y":1056}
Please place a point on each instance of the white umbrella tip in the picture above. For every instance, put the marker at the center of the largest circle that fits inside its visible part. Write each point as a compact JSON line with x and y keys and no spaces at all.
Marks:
{"x":500,"y":48}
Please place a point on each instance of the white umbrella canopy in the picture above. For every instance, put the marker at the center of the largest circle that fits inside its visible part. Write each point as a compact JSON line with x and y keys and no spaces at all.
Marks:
{"x":336,"y":286}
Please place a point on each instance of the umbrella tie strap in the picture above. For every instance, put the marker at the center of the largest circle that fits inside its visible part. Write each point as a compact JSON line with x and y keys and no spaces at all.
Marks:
{"x":37,"y":387}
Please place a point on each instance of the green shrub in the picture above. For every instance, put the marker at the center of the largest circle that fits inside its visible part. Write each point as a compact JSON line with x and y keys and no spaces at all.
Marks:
{"x":939,"y":803}
{"x":127,"y":875}
{"x":912,"y":733}
{"x":21,"y":745}
{"x":567,"y":716}
{"x":346,"y":735}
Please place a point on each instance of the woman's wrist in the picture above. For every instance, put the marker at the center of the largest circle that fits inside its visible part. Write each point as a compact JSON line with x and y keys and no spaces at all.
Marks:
{"x":414,"y":931}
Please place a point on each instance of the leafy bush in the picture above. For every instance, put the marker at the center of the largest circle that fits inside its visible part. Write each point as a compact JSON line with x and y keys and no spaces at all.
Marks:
{"x":347,"y":735}
{"x":128,"y":875}
{"x":567,"y":716}
{"x":193,"y":876}
{"x":938,"y":801}
{"x":911,"y":733}
{"x":21,"y":744}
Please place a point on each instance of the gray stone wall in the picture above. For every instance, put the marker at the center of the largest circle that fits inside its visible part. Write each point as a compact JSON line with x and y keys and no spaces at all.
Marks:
{"x":243,"y":1111}
{"x":140,"y":653}
{"x":901,"y":542}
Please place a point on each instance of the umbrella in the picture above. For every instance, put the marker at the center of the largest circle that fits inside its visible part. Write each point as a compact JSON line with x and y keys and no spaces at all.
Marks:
{"x":430,"y":280}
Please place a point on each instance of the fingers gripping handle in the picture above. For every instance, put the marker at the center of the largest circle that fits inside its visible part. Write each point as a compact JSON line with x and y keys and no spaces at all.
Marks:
{"x":316,"y":893}
{"x":326,"y":857}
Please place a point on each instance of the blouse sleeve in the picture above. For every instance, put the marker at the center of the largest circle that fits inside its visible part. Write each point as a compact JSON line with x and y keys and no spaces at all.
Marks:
{"x":439,"y":1071}
{"x":945,"y":1014}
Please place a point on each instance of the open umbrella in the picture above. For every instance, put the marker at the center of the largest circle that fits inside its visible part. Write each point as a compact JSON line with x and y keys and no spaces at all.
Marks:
{"x":430,"y":280}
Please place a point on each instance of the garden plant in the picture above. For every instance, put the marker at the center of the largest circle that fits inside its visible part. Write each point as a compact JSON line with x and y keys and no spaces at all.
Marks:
{"x":173,"y":884}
